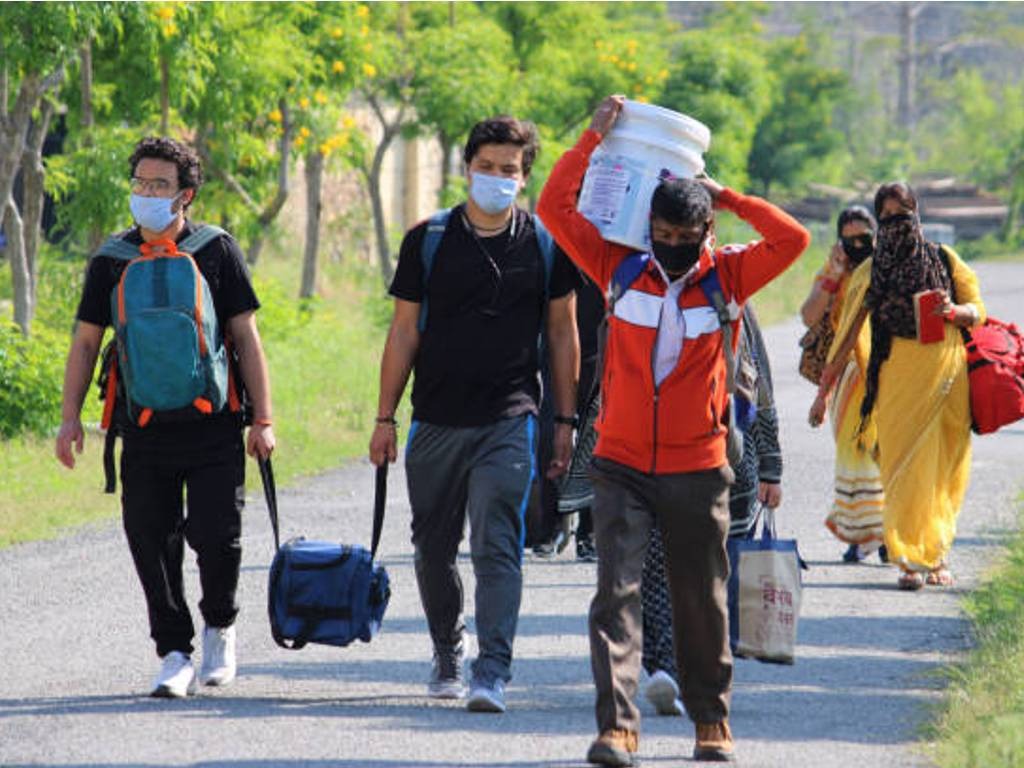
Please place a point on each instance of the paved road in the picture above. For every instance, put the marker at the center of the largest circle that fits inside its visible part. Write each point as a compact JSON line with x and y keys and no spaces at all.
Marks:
{"x":75,"y":659}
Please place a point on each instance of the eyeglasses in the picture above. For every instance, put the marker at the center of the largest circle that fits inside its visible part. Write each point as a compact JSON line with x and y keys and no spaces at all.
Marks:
{"x":158,"y":187}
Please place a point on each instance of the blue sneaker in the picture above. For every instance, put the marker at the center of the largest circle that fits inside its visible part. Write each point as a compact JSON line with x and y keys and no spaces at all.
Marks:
{"x":486,"y":697}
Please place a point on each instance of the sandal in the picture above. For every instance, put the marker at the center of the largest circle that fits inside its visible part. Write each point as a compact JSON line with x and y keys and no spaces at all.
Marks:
{"x":911,"y":581}
{"x":940,"y":577}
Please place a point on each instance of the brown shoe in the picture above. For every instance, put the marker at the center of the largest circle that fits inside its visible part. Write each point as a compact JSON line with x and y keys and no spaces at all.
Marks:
{"x":714,"y":742}
{"x":614,"y":747}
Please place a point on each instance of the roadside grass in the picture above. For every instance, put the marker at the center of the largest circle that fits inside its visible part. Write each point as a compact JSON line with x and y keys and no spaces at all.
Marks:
{"x":981,"y":722}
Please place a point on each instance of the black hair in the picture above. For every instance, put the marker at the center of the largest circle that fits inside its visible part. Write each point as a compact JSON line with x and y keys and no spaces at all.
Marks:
{"x":681,"y":202}
{"x":504,"y":129}
{"x":190,"y":171}
{"x":855,"y":213}
{"x":899,"y":190}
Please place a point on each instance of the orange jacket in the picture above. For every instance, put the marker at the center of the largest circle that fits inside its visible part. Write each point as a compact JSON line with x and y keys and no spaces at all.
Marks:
{"x":679,"y":425}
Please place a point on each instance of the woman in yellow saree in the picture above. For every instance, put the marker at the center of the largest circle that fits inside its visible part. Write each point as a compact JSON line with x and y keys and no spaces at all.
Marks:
{"x":855,"y":516}
{"x":918,"y":392}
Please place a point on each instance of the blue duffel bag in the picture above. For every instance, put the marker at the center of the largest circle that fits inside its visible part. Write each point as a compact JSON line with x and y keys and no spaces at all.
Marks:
{"x":323,"y":592}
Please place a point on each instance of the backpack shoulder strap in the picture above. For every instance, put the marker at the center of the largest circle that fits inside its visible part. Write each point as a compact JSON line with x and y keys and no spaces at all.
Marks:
{"x":629,"y":269}
{"x":436,"y":225}
{"x":547,"y":252}
{"x":712,"y":288}
{"x":199,"y":239}
{"x":117,"y":248}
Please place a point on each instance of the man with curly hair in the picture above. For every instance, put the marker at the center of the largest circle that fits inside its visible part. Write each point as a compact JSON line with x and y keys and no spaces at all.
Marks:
{"x":197,"y":450}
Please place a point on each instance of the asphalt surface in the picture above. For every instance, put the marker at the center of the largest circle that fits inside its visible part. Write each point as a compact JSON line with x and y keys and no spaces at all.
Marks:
{"x":76,"y":662}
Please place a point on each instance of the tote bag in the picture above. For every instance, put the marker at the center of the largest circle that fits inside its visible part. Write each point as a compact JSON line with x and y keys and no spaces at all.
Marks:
{"x":764,"y":594}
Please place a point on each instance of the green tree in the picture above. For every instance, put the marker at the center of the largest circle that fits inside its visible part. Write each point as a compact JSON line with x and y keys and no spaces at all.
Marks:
{"x":798,"y":133}
{"x":724,"y":82}
{"x":977,"y":132}
{"x":37,"y":40}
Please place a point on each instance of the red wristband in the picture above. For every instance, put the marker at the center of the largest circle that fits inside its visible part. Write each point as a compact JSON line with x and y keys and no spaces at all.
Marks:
{"x":262,"y":423}
{"x":829,"y":285}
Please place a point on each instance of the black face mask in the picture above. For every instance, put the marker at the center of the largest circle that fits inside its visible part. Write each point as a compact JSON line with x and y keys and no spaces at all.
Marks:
{"x":857,"y":248}
{"x":676,"y":259}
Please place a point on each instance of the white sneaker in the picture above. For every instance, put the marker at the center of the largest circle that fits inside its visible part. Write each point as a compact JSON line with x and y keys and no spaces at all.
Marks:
{"x":485,"y":697}
{"x":663,"y":692}
{"x":177,"y":677}
{"x":219,"y":664}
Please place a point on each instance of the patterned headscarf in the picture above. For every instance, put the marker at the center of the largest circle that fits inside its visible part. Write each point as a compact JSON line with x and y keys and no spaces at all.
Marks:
{"x":904,"y":264}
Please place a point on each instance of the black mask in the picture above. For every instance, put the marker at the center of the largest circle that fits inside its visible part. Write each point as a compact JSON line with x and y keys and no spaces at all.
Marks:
{"x":858,"y":247}
{"x":676,"y":259}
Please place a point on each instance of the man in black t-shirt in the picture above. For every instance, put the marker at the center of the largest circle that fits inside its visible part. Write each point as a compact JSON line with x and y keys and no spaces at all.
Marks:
{"x":203,"y":454}
{"x":472,"y":444}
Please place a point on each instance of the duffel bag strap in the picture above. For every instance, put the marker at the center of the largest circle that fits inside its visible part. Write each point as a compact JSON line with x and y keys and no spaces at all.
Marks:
{"x":380,"y":497}
{"x":270,"y":494}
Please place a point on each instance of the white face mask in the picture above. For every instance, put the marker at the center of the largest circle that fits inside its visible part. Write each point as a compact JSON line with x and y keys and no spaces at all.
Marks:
{"x":153,"y":213}
{"x":493,"y":194}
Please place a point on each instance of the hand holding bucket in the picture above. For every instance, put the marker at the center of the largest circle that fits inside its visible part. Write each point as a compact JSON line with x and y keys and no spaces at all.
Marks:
{"x":641,"y":145}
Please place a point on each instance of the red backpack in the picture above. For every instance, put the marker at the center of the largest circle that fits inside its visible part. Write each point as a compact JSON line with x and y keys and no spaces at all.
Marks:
{"x":995,"y":370}
{"x":995,"y":367}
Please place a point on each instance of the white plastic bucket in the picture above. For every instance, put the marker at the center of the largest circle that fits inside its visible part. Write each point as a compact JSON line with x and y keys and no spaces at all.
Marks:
{"x":645,"y":144}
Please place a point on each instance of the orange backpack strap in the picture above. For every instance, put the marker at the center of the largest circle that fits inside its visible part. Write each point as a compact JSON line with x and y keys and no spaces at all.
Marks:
{"x":110,"y":396}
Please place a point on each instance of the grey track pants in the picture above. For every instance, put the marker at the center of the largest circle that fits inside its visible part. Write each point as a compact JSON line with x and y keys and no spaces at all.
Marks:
{"x":485,"y":472}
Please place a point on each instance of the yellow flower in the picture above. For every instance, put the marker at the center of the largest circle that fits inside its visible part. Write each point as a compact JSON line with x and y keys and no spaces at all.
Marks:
{"x":320,"y":97}
{"x":362,"y":12}
{"x":275,"y":116}
{"x":631,"y":46}
{"x":614,"y":59}
{"x":300,"y":142}
{"x":304,"y":102}
{"x":348,"y":122}
{"x":367,"y":46}
{"x":165,"y":13}
{"x":303,"y":132}
{"x":364,"y":30}
{"x":642,"y":99}
{"x":170,"y":28}
{"x":631,"y":66}
{"x":663,"y":74}
{"x":338,"y":66}
{"x":325,"y":148}
{"x":369,"y":70}
{"x":599,"y":44}
{"x":337,"y":32}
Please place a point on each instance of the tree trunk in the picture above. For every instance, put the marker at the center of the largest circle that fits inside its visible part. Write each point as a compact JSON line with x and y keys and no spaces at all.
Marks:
{"x":165,"y":95}
{"x":372,"y":176}
{"x":447,"y":146}
{"x":33,"y":174}
{"x":267,"y":216}
{"x":20,"y":281}
{"x":85,"y":80}
{"x":906,"y":111}
{"x":314,"y":184}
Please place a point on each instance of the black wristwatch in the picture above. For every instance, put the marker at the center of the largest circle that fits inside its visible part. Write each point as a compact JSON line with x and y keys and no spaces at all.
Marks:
{"x":573,"y":421}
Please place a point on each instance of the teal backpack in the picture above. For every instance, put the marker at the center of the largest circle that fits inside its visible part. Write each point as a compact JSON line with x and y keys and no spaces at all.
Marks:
{"x":169,"y":358}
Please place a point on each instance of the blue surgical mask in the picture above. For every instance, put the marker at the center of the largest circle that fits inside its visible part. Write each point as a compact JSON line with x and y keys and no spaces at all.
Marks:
{"x":493,"y":194}
{"x":153,"y":213}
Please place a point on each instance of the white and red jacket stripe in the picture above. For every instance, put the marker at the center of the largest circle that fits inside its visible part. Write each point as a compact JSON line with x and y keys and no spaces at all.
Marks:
{"x":678,"y":425}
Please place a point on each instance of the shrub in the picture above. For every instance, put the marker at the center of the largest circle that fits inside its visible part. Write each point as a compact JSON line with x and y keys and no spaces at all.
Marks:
{"x":31,"y":375}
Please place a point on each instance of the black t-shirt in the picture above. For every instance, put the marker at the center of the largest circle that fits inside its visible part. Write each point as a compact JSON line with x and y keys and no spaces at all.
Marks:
{"x":222,"y":264}
{"x":478,"y":357}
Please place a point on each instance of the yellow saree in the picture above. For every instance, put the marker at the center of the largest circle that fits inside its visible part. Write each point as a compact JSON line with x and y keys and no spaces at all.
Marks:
{"x":856,"y":514}
{"x":924,"y":437}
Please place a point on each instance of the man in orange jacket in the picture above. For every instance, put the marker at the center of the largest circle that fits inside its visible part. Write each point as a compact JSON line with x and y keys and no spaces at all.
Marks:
{"x":661,"y":454}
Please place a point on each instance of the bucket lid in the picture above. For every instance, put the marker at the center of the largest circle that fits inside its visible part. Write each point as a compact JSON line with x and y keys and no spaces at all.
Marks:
{"x":665,"y":120}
